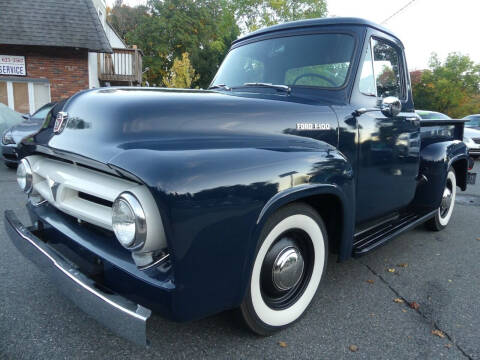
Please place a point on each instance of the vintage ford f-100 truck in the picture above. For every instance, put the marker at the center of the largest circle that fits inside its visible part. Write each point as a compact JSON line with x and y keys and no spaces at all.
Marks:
{"x":191,"y":202}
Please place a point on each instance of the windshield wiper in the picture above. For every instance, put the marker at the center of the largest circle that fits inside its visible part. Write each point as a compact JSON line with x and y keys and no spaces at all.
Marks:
{"x":219,"y":86}
{"x":285,"y":88}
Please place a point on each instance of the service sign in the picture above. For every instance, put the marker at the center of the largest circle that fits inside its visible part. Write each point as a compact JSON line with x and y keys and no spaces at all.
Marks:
{"x":12,"y":65}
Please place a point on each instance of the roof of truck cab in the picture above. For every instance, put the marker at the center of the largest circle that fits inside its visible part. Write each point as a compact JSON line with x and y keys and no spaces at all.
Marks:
{"x":317,"y":22}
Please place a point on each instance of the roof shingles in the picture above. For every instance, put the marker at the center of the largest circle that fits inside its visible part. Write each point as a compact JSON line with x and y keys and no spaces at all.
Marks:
{"x":64,"y":23}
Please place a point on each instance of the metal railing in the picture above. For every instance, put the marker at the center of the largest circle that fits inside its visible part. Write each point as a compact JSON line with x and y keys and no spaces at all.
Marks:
{"x":123,"y":65}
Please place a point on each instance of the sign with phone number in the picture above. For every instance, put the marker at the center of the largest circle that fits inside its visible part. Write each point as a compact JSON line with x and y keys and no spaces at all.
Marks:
{"x":12,"y":65}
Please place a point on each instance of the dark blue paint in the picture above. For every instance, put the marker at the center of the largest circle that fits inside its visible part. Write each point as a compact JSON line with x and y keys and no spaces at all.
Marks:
{"x":220,"y":163}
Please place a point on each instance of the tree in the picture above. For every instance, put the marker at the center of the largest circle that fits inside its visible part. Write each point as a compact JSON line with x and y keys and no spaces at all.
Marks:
{"x":254,"y":14}
{"x":124,"y":18}
{"x":202,"y":28}
{"x":451,"y":88}
{"x":165,"y":29}
{"x":181,"y":75}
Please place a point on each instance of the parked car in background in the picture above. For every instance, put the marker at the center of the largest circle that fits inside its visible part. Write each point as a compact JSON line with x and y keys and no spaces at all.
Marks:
{"x":473,"y":121}
{"x":27,"y":125}
{"x":471,"y":137}
{"x":432,"y":115}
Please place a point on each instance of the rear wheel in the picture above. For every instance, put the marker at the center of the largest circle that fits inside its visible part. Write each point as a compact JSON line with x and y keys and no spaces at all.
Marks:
{"x":289,"y":265}
{"x":444,"y":212}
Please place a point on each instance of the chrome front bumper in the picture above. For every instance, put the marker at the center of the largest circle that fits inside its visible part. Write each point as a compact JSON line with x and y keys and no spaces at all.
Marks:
{"x":120,"y":315}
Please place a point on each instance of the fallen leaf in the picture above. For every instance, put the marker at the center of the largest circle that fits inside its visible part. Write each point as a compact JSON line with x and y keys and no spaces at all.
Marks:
{"x":478,"y":239}
{"x":414,"y":305}
{"x":403,"y":310}
{"x":404,"y":265}
{"x":438,"y":333}
{"x":353,"y":348}
{"x":392,"y":270}
{"x":282,"y":344}
{"x":398,"y":300}
{"x":370,"y":281}
{"x":448,"y":346}
{"x":449,"y":280}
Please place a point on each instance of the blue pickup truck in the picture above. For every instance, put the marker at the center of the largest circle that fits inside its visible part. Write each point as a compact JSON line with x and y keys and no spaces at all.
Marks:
{"x":191,"y":202}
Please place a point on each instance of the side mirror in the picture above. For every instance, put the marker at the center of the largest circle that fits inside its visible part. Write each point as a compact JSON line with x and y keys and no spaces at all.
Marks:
{"x":26,"y":116}
{"x":390,"y":106}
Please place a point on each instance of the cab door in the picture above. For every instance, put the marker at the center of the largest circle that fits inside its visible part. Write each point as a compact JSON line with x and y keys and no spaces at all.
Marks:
{"x":388,"y":147}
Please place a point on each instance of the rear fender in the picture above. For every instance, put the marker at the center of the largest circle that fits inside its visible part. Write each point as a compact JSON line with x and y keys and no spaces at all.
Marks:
{"x":435,"y":160}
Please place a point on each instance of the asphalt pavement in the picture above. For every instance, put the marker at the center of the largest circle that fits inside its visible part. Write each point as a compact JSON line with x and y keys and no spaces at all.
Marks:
{"x":417,"y":297}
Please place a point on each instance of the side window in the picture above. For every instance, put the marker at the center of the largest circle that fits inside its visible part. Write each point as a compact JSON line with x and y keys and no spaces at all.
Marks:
{"x":367,"y":82}
{"x":387,"y":68}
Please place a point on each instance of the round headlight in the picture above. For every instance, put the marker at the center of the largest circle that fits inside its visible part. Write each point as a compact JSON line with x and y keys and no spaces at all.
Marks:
{"x":128,"y":221}
{"x":24,"y":176}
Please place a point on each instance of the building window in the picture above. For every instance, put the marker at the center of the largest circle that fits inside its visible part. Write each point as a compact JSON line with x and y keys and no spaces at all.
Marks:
{"x":24,"y":96}
{"x":20,"y":97}
{"x":3,"y":93}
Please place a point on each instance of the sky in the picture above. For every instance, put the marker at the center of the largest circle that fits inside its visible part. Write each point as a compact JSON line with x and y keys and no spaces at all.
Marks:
{"x":424,"y":26}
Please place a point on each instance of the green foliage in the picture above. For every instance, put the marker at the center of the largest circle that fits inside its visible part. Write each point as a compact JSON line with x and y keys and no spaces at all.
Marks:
{"x":201,"y":28}
{"x":451,"y":88}
{"x":255,"y":14}
{"x":125,"y":18}
{"x":181,"y":75}
{"x":165,"y":29}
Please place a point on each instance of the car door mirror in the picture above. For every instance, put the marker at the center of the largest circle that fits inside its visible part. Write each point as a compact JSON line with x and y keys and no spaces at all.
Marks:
{"x":390,"y":106}
{"x":26,"y":116}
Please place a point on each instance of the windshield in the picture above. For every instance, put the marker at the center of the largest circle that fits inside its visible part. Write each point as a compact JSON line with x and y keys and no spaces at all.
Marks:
{"x":317,"y":60}
{"x":42,"y":112}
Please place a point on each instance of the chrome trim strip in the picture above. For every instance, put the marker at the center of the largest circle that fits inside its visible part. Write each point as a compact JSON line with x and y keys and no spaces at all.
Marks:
{"x":122,"y":316}
{"x":155,"y":263}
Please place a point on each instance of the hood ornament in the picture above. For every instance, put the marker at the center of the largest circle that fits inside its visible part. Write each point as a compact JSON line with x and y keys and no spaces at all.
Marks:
{"x":60,"y":122}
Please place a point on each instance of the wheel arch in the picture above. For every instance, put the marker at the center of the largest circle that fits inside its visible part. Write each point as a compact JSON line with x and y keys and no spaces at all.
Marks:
{"x":331,"y":203}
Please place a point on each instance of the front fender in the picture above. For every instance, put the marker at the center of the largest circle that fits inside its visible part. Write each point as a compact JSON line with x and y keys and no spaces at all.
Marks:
{"x":214,"y":203}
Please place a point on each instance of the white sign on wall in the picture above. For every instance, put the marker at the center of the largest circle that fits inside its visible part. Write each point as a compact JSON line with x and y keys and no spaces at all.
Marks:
{"x":12,"y":65}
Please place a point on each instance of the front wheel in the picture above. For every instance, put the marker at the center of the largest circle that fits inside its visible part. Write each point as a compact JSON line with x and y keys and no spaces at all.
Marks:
{"x":444,"y":212}
{"x":289,"y":265}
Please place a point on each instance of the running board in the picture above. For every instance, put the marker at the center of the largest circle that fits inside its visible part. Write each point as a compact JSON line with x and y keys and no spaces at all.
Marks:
{"x":373,"y":238}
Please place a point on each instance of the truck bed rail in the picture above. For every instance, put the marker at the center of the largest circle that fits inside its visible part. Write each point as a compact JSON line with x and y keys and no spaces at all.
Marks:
{"x":458,"y":123}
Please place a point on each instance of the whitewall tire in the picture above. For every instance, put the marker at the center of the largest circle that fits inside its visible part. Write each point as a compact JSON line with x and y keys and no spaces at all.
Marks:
{"x":444,"y":213}
{"x":288,"y":268}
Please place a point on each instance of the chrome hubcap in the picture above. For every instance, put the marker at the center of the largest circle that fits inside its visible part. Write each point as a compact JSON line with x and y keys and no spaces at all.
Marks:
{"x":287,"y":268}
{"x":446,"y":201}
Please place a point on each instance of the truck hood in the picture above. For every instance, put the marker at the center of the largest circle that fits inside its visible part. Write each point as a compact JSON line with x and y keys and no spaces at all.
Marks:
{"x":103,"y":123}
